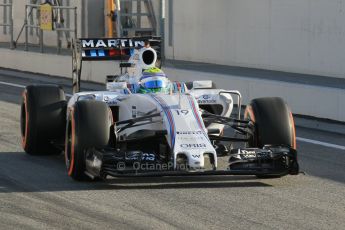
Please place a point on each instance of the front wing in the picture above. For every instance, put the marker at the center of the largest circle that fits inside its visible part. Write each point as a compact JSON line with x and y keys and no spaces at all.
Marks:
{"x":268,"y":161}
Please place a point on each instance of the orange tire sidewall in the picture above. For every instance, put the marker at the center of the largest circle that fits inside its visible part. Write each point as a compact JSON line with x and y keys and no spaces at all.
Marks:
{"x":72,"y":147}
{"x":26,"y":131}
{"x":249,"y":112}
{"x":293,"y":130}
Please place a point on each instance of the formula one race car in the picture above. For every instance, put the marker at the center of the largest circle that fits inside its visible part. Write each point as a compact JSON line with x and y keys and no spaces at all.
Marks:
{"x":145,"y":124}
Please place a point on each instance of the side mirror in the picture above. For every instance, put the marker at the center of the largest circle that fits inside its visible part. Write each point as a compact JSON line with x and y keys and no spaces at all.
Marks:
{"x":202,"y":84}
{"x":111,"y":78}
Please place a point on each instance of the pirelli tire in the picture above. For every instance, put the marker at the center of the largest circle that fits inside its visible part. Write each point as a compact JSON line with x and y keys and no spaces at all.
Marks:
{"x":273,"y":122}
{"x":88,"y":126}
{"x":42,"y":118}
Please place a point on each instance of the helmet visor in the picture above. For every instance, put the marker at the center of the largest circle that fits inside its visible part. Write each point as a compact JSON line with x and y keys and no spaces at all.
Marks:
{"x":155,"y":84}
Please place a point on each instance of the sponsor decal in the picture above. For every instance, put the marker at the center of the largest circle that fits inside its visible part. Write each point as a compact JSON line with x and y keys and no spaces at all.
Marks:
{"x":190,"y":138}
{"x":111,"y":43}
{"x":255,"y":153}
{"x":207,"y":99}
{"x":148,"y":157}
{"x":136,"y":155}
{"x":193,"y":146}
{"x":248,"y":153}
{"x":110,"y":101}
{"x":189,"y":132}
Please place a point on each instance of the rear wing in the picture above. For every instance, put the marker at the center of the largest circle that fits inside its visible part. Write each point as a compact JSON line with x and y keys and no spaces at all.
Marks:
{"x":95,"y":49}
{"x":105,"y":49}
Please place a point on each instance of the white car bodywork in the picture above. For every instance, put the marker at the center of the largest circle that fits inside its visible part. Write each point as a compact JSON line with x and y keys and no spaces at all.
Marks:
{"x":175,"y":127}
{"x":180,"y":117}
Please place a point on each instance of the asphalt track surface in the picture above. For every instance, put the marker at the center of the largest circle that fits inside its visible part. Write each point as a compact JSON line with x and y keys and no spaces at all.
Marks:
{"x":36,"y":193}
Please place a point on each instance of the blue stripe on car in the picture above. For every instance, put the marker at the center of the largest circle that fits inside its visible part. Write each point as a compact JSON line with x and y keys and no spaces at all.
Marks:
{"x":169,"y":116}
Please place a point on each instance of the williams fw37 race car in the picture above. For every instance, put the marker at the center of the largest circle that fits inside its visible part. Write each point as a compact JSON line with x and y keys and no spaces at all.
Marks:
{"x":143,"y":124}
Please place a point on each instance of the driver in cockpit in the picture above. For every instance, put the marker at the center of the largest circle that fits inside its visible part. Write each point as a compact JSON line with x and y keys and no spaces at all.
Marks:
{"x":154,"y":80}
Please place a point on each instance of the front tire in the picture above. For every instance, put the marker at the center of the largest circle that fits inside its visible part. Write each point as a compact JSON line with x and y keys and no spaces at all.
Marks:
{"x":274,"y":125}
{"x":87,"y":127}
{"x":273,"y":120}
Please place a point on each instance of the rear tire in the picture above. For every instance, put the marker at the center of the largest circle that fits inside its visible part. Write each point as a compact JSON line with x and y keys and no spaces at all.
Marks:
{"x":274,"y":124}
{"x":42,"y":118}
{"x":87,"y":127}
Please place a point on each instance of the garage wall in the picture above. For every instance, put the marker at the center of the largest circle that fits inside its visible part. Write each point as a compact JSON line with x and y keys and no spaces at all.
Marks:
{"x":304,"y":36}
{"x":50,"y":37}
{"x":322,"y":102}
